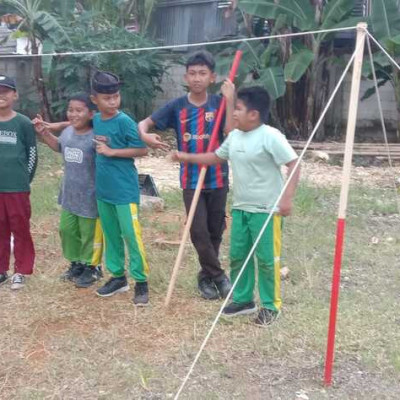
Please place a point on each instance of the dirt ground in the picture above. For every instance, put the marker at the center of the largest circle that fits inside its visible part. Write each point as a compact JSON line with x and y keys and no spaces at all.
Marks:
{"x":59,"y":342}
{"x":319,"y":174}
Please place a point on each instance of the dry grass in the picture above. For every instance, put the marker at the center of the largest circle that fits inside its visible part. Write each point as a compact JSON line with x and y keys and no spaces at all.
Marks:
{"x":59,"y":342}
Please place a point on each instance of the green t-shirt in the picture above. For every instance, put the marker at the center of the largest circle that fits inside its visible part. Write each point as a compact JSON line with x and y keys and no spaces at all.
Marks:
{"x":117,"y":178}
{"x":18,"y":154}
{"x":256,"y":157}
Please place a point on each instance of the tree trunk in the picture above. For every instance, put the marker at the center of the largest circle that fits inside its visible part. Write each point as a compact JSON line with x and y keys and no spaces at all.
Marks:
{"x":39,"y":82}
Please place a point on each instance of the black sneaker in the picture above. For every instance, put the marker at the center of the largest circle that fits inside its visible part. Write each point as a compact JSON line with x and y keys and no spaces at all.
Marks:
{"x":3,"y":277}
{"x":208,"y":289}
{"x":266,"y":317}
{"x":234,"y":309}
{"x":74,"y":270}
{"x":223,"y":286}
{"x":113,"y":286}
{"x":141,"y":297}
{"x":90,"y":275}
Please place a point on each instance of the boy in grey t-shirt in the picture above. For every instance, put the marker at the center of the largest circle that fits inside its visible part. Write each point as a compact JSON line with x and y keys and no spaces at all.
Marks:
{"x":80,"y":229}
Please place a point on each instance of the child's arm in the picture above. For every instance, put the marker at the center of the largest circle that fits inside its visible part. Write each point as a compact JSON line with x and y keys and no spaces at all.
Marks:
{"x":285,"y":205}
{"x":102,"y":148}
{"x":228,"y":90}
{"x":44,"y":134}
{"x":209,"y":158}
{"x":31,"y":153}
{"x":151,"y":139}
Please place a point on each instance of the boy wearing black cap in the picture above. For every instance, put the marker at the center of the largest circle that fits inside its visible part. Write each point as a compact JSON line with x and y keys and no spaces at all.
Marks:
{"x":18,"y":159}
{"x":117,"y":189}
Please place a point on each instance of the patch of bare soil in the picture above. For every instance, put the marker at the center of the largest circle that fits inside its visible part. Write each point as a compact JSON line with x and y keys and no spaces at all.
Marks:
{"x":166,"y":174}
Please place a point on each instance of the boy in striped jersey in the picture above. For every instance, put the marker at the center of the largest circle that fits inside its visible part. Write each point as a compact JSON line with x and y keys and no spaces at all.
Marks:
{"x":192,"y":117}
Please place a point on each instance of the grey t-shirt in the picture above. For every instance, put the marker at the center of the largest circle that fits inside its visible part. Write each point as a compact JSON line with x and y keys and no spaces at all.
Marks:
{"x":77,"y":192}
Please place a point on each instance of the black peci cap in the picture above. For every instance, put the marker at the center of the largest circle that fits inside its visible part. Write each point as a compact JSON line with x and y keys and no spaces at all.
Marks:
{"x":105,"y":82}
{"x":8,"y":82}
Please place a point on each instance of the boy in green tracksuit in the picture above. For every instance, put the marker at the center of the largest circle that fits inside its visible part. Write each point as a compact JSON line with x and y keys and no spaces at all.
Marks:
{"x":117,"y":189}
{"x":256,"y":151}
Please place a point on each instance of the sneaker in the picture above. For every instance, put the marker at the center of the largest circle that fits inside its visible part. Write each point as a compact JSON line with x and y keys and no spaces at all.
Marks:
{"x":224,"y":286}
{"x":90,"y":275}
{"x":234,"y":309}
{"x":17,"y":281}
{"x":208,"y":289}
{"x":141,"y":297}
{"x":3,"y":277}
{"x":113,"y":286}
{"x":74,"y":270}
{"x":266,"y":317}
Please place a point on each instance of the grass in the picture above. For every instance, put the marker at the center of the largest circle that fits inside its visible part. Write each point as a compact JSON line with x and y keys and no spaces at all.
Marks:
{"x":60,"y":342}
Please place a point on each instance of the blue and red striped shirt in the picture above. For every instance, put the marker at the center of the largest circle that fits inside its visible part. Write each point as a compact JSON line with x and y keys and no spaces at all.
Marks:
{"x":193,"y":126}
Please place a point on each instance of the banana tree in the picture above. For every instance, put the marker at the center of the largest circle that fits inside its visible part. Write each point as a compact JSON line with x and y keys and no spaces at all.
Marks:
{"x":39,"y":26}
{"x":297,"y":64}
{"x":385,"y":25}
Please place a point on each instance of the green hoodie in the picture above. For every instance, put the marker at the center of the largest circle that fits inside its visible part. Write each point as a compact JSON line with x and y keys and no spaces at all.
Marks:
{"x":18,"y":154}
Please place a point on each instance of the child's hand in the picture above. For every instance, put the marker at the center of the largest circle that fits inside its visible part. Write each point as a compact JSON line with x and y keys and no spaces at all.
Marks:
{"x":228,"y":90}
{"x":102,"y":148}
{"x":285,"y":207}
{"x":154,"y":141}
{"x":176,"y":156}
{"x":39,"y":125}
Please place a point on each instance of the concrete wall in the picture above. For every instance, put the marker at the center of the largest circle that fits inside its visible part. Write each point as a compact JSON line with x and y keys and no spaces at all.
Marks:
{"x":368,"y":119}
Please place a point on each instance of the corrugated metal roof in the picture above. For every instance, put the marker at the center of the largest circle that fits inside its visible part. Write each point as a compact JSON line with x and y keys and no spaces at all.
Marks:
{"x":189,"y":21}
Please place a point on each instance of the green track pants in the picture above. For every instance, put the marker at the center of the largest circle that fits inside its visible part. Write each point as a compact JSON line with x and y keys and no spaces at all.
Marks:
{"x":245,"y":229}
{"x":81,"y":238}
{"x":121,"y":225}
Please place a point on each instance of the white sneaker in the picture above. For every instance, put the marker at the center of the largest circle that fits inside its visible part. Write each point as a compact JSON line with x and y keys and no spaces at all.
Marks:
{"x":17,"y":281}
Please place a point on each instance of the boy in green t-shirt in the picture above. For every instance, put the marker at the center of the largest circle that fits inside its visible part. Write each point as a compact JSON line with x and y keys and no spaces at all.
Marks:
{"x":117,"y":189}
{"x":256,"y":151}
{"x":18,"y":159}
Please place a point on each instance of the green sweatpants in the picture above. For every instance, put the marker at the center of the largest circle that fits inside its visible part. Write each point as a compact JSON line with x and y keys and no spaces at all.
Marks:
{"x":81,"y":238}
{"x":245,"y":229}
{"x":120,"y":224}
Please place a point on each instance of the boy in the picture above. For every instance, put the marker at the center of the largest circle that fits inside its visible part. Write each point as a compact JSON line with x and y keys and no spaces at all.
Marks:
{"x":18,"y":160}
{"x":193,"y":117}
{"x":117,"y":189}
{"x":80,"y":229}
{"x":256,"y":152}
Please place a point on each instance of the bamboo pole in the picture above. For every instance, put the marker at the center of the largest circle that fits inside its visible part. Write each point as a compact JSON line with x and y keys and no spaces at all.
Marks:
{"x":341,"y":222}
{"x":200,"y":181}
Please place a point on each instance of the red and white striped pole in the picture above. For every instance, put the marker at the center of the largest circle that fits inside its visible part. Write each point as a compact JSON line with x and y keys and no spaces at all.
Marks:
{"x":341,"y":222}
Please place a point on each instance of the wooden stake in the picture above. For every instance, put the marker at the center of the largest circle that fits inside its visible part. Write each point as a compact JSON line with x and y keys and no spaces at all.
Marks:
{"x":199,"y":186}
{"x":341,"y":223}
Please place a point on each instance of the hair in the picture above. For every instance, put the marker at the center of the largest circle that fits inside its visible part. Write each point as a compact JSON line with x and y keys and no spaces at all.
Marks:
{"x":256,"y":98}
{"x":201,"y":58}
{"x":84,"y":98}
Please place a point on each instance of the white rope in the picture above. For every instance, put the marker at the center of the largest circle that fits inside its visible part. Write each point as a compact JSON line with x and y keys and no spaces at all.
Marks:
{"x":378,"y":96}
{"x":178,"y":46}
{"x":266,"y":223}
{"x":383,"y":49}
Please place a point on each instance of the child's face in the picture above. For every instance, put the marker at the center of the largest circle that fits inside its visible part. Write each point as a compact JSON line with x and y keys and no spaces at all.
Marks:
{"x":79,"y":114}
{"x":108,"y":104}
{"x":245,"y":119}
{"x":7,"y":97}
{"x":199,"y":78}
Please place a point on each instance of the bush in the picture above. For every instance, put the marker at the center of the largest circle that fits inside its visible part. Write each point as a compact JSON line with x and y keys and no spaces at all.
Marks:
{"x":141,"y":72}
